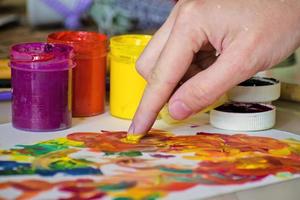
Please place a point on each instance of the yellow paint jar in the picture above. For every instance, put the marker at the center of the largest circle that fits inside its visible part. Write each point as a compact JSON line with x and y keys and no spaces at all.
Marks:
{"x":126,"y":85}
{"x":4,"y":69}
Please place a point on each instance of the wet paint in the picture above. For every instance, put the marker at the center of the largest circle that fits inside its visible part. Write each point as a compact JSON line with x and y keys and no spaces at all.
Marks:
{"x":126,"y":85}
{"x":244,"y":108}
{"x":161,"y":163}
{"x":259,"y":81}
{"x":157,"y":155}
{"x":132,"y":139}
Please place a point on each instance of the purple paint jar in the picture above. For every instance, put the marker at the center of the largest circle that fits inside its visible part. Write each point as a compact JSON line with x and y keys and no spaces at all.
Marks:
{"x":41,"y":86}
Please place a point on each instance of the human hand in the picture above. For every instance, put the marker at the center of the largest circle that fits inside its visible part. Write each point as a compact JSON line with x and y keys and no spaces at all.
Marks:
{"x":249,"y":36}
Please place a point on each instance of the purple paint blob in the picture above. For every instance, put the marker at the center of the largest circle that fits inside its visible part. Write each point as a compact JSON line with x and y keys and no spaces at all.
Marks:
{"x":41,"y":85}
{"x":244,"y":107}
{"x":259,"y":81}
{"x":162,"y":156}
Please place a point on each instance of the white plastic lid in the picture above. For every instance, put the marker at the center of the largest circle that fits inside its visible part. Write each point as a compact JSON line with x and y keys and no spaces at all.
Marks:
{"x":254,"y":120}
{"x":250,"y":92}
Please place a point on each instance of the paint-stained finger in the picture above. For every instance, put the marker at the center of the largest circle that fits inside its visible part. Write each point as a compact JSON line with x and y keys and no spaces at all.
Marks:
{"x":207,"y":86}
{"x":170,"y":68}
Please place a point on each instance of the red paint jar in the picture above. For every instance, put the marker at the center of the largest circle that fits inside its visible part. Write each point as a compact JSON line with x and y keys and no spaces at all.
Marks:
{"x":89,"y":74}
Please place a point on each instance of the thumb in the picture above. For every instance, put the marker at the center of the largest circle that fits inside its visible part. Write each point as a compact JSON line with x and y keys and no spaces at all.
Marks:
{"x":203,"y":89}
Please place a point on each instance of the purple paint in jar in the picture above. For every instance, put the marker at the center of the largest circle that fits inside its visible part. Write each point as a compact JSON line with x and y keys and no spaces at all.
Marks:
{"x":41,"y":86}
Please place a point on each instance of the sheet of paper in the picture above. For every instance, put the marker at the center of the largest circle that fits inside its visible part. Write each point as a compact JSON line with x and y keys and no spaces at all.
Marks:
{"x":183,"y":161}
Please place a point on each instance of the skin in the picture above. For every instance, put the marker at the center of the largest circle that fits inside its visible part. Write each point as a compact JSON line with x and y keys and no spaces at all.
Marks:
{"x":206,"y":47}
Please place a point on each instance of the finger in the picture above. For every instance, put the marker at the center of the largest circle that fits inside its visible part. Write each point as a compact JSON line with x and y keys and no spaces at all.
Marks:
{"x":202,"y":60}
{"x":172,"y":64}
{"x":207,"y":86}
{"x":149,"y":57}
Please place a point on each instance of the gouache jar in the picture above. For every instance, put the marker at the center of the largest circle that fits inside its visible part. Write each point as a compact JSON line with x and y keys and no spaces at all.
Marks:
{"x":89,"y":75}
{"x":41,"y":86}
{"x":126,"y":85}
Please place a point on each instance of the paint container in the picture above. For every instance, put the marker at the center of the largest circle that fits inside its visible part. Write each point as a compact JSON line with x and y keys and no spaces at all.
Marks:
{"x":256,"y":90}
{"x":89,"y":75}
{"x":243,"y":116}
{"x":41,"y":86}
{"x":126,"y":85}
{"x":4,"y":69}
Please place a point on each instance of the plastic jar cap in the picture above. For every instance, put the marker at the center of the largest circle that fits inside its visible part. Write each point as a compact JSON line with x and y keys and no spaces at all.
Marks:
{"x":40,"y":56}
{"x":85,"y":43}
{"x":255,"y":90}
{"x":128,"y":45}
{"x":243,"y":116}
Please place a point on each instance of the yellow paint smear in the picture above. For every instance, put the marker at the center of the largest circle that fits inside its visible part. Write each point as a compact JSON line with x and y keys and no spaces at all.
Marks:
{"x":132,"y":139}
{"x":280,"y":152}
{"x":166,"y":117}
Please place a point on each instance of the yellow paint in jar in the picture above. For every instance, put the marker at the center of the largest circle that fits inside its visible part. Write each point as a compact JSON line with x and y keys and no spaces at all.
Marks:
{"x":4,"y":69}
{"x":126,"y":85}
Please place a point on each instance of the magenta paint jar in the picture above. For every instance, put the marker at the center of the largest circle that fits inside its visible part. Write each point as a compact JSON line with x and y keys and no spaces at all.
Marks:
{"x":41,"y":86}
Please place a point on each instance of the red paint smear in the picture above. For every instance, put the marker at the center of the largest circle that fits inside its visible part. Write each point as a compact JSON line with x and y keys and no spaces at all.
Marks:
{"x":32,"y":185}
{"x":82,"y":192}
{"x":178,"y":186}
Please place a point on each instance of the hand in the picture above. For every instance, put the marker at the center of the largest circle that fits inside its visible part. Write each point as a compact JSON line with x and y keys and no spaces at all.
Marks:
{"x":249,"y":36}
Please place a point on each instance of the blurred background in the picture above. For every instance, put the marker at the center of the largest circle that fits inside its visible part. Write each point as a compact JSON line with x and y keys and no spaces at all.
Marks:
{"x":33,"y":20}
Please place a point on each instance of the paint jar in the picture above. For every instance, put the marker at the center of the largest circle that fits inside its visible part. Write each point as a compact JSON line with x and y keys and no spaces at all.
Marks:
{"x":126,"y":85}
{"x":41,"y":86}
{"x":89,"y":75}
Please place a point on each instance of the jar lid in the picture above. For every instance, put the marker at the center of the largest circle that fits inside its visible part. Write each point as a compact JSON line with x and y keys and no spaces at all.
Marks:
{"x":256,"y":90}
{"x":39,"y":56}
{"x":91,"y":44}
{"x":130,"y":45}
{"x":243,"y":116}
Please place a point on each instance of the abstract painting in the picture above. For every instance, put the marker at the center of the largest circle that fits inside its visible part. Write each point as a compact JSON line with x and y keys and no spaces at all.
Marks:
{"x":95,"y":165}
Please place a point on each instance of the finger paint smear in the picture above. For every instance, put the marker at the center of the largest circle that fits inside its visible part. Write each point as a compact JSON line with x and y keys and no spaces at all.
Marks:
{"x":161,"y":163}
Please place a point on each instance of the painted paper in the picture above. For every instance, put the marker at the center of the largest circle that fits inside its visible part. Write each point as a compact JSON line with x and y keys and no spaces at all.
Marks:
{"x":190,"y":161}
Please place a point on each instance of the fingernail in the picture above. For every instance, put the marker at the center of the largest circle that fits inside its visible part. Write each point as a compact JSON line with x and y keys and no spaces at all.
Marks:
{"x":179,"y":110}
{"x":131,"y":129}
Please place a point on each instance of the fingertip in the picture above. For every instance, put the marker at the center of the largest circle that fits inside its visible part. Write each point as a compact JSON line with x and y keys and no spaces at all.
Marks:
{"x":142,"y":122}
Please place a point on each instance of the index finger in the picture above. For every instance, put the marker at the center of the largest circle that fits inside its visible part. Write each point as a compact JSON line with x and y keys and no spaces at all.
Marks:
{"x":172,"y":64}
{"x":150,"y":55}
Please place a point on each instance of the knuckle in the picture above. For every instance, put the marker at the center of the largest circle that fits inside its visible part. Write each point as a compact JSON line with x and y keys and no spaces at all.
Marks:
{"x":199,"y":97}
{"x":186,"y":11}
{"x":140,"y":68}
{"x":190,"y":9}
{"x":245,"y":64}
{"x":157,"y":79}
{"x":241,"y":61}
